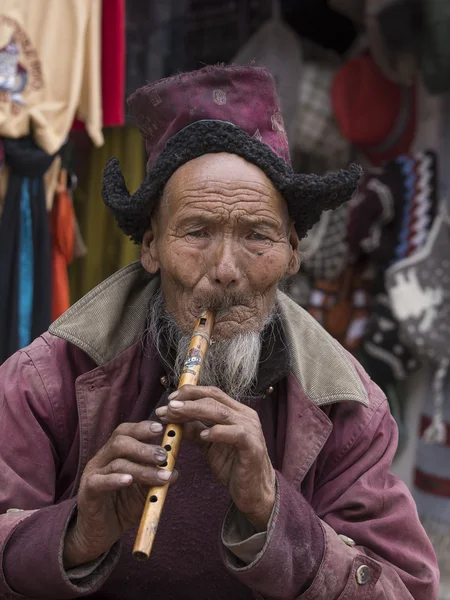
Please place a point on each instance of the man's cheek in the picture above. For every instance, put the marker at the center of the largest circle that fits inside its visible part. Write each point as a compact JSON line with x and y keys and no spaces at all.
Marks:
{"x":187,"y":266}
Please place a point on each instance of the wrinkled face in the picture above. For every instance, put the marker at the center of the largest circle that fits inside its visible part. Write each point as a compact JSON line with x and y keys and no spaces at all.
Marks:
{"x":222,"y":238}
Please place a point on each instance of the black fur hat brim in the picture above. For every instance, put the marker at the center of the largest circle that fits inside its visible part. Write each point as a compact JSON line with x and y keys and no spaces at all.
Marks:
{"x":306,"y":195}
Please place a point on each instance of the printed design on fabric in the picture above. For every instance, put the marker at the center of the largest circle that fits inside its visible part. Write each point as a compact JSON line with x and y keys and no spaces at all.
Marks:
{"x":257,"y":135}
{"x":277,"y":122}
{"x":15,"y":76}
{"x":219,"y":97}
{"x":412,"y":301}
{"x":384,"y":195}
{"x":419,"y":289}
{"x":330,"y":258}
{"x":155,"y":98}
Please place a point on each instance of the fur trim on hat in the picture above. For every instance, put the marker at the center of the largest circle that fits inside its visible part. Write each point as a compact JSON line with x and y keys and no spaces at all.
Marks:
{"x":306,"y":195}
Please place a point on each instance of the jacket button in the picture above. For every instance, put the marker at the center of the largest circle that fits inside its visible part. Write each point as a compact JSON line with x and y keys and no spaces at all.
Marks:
{"x":164,"y":381}
{"x":363,"y":575}
{"x":347,"y":540}
{"x":269,"y":390}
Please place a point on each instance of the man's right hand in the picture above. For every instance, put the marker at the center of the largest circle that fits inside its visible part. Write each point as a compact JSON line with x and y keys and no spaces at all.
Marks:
{"x":113,"y":490}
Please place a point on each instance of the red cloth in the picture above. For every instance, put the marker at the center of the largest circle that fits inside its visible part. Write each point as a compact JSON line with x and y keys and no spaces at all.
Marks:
{"x":113,"y":64}
{"x":62,"y":225}
{"x":373,"y":112}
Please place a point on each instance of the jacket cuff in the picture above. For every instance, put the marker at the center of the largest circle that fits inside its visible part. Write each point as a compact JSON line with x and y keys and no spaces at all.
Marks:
{"x":345,"y":562}
{"x":33,"y":557}
{"x":294,"y":537}
{"x":241,"y":538}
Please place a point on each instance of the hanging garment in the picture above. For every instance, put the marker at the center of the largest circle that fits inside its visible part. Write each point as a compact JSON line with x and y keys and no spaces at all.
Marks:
{"x":113,"y":64}
{"x":393,"y":28}
{"x":372,"y":112}
{"x":419,"y":289}
{"x":434,"y":46}
{"x":328,"y":260}
{"x":342,"y":306}
{"x":108,"y":248}
{"x":24,"y":248}
{"x":316,"y":134}
{"x":390,"y":219}
{"x":276,"y":46}
{"x":50,"y":69}
{"x":62,"y":226}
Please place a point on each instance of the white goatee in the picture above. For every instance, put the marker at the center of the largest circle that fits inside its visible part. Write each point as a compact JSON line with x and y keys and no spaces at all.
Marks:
{"x":231,"y":364}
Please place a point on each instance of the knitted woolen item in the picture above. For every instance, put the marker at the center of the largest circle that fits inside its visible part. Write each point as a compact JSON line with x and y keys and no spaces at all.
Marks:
{"x":306,"y":195}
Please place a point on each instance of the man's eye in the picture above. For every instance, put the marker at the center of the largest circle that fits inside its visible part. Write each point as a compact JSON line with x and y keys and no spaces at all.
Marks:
{"x":258,"y":237}
{"x":197,"y":234}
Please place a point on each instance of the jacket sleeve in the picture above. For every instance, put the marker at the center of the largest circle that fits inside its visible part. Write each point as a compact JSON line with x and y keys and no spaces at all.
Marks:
{"x":32,"y":534}
{"x":375,"y":546}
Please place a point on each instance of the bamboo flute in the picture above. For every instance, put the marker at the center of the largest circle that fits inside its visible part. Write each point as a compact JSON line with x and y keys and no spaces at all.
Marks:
{"x":156,"y":496}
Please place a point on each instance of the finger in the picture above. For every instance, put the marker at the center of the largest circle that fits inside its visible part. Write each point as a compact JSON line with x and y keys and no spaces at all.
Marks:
{"x":236,"y":436}
{"x":145,"y":431}
{"x":207,"y":410}
{"x":196,"y":392}
{"x":99,"y":484}
{"x":123,"y":446}
{"x":192,"y":431}
{"x":142,"y":475}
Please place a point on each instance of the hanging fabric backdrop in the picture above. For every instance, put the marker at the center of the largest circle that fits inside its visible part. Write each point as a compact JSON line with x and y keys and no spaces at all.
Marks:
{"x":108,"y":249}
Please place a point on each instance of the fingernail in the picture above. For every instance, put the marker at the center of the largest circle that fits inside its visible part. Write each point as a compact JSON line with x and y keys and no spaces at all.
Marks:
{"x":156,"y":427}
{"x":125,"y":478}
{"x":205,"y":433}
{"x":161,"y":411}
{"x":173,"y":395}
{"x":164,"y":474}
{"x":176,"y":404}
{"x":161,"y":455}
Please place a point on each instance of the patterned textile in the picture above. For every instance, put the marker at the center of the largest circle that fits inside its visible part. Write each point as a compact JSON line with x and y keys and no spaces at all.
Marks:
{"x":396,"y":210}
{"x":317,"y":132}
{"x":419,"y":290}
{"x":342,"y":306}
{"x":329,"y":259}
{"x":391,"y":359}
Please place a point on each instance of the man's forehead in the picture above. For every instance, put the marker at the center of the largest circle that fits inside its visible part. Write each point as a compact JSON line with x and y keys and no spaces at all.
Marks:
{"x":215,"y":170}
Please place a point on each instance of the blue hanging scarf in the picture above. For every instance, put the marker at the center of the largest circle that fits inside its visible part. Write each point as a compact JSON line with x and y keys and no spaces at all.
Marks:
{"x":26,"y":267}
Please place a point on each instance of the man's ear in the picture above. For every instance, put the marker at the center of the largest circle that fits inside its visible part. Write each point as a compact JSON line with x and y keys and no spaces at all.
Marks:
{"x":294,"y":260}
{"x":149,"y":252}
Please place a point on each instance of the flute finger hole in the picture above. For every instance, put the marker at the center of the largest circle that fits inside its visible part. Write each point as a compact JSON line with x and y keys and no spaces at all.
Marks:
{"x":168,"y":447}
{"x":171,"y":433}
{"x":153,"y":499}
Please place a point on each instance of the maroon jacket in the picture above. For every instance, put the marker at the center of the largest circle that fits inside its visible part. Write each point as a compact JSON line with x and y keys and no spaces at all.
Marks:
{"x":61,"y":398}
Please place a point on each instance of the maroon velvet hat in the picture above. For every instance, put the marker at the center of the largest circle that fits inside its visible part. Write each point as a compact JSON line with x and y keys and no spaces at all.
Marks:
{"x":217,"y":109}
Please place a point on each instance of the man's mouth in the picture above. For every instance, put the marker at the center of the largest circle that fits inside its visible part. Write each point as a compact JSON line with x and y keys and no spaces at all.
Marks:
{"x":221,"y":306}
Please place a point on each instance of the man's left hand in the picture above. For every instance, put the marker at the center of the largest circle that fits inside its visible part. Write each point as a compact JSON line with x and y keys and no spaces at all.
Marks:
{"x":233,"y":441}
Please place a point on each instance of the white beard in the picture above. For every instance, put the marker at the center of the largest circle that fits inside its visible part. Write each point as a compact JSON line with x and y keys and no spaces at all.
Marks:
{"x":230,"y":364}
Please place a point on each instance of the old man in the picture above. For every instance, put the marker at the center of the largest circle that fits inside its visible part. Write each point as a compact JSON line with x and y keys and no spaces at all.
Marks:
{"x":282,"y":486}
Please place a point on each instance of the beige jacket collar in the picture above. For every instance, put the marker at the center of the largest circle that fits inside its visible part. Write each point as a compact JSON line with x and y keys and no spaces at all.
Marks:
{"x":112,"y":317}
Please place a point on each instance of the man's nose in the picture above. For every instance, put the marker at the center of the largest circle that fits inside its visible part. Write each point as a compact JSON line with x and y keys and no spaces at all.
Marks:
{"x":225,"y":270}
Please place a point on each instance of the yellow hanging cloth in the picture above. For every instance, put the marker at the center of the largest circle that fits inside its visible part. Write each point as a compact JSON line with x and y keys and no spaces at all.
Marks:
{"x":108,"y":249}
